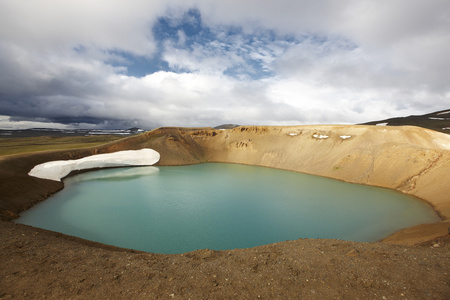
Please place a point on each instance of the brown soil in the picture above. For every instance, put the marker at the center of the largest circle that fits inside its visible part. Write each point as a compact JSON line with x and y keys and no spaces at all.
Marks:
{"x":36,"y":263}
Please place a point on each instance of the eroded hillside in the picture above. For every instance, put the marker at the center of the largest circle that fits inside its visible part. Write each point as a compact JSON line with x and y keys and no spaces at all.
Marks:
{"x":409,"y":159}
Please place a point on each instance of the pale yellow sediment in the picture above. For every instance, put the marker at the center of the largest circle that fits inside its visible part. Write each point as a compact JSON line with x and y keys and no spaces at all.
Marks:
{"x":410,"y":159}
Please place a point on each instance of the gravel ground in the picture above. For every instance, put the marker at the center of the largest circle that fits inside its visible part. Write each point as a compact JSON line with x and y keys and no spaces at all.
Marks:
{"x":39,"y":264}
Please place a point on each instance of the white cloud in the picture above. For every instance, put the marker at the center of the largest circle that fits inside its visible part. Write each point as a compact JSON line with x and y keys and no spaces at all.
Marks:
{"x":287,"y":62}
{"x":7,"y":123}
{"x":54,"y":25}
{"x":222,"y":53}
{"x":384,"y":23}
{"x":209,"y":58}
{"x":285,"y":16}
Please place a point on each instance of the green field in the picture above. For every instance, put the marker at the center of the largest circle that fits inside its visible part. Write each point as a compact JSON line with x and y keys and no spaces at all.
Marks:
{"x":11,"y":146}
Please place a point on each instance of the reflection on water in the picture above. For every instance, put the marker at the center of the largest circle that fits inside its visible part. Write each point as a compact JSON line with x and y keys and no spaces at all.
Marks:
{"x":115,"y":174}
{"x":220,"y":206}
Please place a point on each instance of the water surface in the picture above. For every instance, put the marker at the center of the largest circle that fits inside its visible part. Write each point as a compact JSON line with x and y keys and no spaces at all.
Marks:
{"x":220,"y":206}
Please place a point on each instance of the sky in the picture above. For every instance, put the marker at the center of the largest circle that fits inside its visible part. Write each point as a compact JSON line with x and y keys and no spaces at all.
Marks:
{"x":108,"y":64}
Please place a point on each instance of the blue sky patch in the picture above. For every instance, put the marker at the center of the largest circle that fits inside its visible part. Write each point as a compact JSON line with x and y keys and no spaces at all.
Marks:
{"x":185,"y":45}
{"x":185,"y":42}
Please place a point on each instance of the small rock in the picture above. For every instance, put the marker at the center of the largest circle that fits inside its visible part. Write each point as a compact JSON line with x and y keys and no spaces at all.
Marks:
{"x":353,"y":253}
{"x":436,"y":245}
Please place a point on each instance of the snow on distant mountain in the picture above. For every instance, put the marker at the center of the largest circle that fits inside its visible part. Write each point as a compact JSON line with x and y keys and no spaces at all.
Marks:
{"x":438,"y":121}
{"x":34,"y":132}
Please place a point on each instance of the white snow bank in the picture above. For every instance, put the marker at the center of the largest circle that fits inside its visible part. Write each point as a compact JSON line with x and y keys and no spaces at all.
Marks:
{"x":344,"y":137}
{"x":293,"y":133}
{"x":320,"y":136}
{"x":432,"y":118}
{"x":381,"y":124}
{"x":444,"y":112}
{"x":55,"y":170}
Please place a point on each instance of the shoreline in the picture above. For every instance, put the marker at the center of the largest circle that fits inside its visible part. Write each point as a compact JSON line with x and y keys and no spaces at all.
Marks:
{"x":379,"y":238}
{"x":440,"y":229}
{"x":200,"y":137}
{"x":35,"y":263}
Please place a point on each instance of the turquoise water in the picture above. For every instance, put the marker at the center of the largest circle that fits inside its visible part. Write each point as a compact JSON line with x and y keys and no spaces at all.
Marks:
{"x":220,"y":206}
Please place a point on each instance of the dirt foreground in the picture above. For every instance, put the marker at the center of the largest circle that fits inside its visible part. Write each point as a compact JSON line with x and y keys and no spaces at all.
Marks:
{"x":36,"y":263}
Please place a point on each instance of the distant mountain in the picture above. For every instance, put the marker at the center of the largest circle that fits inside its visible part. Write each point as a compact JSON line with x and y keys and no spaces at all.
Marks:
{"x":135,"y":130}
{"x":438,"y":121}
{"x":226,"y":126}
{"x":34,"y":132}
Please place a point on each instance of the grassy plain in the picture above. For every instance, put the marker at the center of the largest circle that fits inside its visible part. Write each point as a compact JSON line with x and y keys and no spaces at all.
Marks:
{"x":11,"y":146}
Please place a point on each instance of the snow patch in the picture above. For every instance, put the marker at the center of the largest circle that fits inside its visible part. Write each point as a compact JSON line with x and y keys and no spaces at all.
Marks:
{"x":344,"y":137}
{"x":320,"y":136}
{"x":107,"y":133}
{"x":444,"y":112}
{"x":293,"y":133}
{"x":56,"y":170}
{"x":432,"y":118}
{"x":381,"y":124}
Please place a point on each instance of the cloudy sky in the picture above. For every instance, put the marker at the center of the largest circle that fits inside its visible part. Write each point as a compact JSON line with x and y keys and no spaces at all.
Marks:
{"x":151,"y":63}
